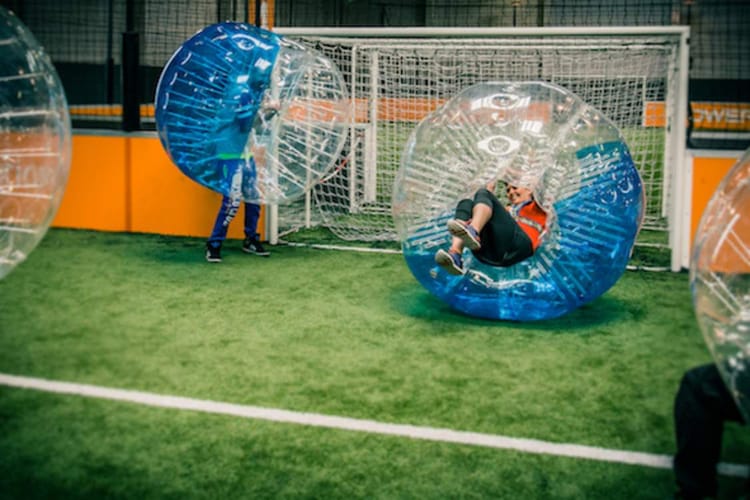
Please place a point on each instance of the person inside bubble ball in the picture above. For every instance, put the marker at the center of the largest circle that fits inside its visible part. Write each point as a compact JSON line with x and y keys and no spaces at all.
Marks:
{"x":244,"y":175}
{"x":702,"y":405}
{"x":496,"y":235}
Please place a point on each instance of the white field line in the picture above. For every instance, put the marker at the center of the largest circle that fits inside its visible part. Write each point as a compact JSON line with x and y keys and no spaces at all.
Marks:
{"x":360,"y":425}
{"x":341,"y":247}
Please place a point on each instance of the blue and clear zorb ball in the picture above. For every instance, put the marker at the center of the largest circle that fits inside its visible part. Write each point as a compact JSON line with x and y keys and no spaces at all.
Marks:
{"x":532,"y":134}
{"x":239,"y":107}
{"x":35,"y":142}
{"x":720,"y":280}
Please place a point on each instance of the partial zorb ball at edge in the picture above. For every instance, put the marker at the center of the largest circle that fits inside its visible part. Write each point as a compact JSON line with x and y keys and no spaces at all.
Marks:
{"x":241,"y":108}
{"x":35,"y":142}
{"x":720,"y":280}
{"x":532,"y":134}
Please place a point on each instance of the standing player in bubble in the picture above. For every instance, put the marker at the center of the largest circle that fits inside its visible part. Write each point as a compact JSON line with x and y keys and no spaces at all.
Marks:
{"x":242,"y":167}
{"x":209,"y":104}
{"x":496,"y":236}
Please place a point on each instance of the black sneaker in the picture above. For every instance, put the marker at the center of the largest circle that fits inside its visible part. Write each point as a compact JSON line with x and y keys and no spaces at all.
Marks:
{"x":253,"y":246}
{"x":213,"y":252}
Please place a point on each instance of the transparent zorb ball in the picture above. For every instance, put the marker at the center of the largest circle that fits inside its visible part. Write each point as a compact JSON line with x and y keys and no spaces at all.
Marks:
{"x":237,"y":99}
{"x":720,"y":280}
{"x":35,"y":142}
{"x":531,"y":134}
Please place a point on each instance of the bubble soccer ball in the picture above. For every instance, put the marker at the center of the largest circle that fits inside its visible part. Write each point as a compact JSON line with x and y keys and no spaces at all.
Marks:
{"x":35,"y":142}
{"x":720,"y":280}
{"x":540,"y":136}
{"x":238,"y":107}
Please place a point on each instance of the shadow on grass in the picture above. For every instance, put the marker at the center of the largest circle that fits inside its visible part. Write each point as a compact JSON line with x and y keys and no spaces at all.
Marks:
{"x":417,"y":302}
{"x":177,"y":249}
{"x":147,"y":247}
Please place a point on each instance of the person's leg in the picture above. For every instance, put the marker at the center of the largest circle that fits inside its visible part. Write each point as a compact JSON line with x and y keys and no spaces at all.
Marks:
{"x":462,"y":228}
{"x":485,"y":205}
{"x":464,"y":213}
{"x":499,"y":232}
{"x":250,"y":181}
{"x":484,"y":208}
{"x":252,"y":214}
{"x":252,"y":244}
{"x":702,"y":404}
{"x":228,"y":209}
{"x":464,"y":210}
{"x":452,"y":260}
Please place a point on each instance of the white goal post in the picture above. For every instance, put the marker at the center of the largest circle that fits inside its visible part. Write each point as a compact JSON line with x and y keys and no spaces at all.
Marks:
{"x":637,"y":76}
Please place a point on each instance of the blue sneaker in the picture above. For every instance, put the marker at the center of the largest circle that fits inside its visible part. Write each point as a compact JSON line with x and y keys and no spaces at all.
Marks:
{"x":451,"y":262}
{"x":464,"y":231}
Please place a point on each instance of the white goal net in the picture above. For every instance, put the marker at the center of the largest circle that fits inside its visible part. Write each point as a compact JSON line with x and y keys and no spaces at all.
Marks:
{"x":635,"y":76}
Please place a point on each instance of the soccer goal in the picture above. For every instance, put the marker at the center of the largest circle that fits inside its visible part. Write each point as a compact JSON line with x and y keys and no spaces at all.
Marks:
{"x":636,"y":76}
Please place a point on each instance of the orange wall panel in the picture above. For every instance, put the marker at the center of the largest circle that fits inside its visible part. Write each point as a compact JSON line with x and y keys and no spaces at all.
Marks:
{"x":707,"y":174}
{"x":130,"y":184}
{"x":95,"y":196}
{"x":166,"y":201}
{"x":163,"y":199}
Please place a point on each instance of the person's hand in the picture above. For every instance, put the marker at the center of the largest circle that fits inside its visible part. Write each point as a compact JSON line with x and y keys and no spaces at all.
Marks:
{"x":272,"y":104}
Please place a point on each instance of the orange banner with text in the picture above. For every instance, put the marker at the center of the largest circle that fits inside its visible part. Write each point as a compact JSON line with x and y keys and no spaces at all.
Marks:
{"x":715,"y":116}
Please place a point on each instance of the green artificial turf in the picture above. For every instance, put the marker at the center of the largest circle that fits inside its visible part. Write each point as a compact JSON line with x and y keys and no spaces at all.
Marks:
{"x":333,"y":332}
